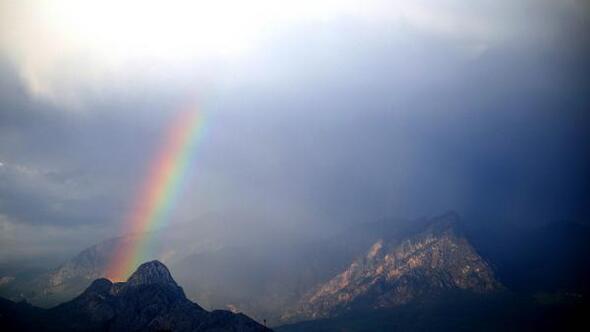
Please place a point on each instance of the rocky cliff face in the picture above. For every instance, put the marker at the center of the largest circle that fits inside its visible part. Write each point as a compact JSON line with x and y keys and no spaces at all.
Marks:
{"x":397,"y":271}
{"x":150,"y":300}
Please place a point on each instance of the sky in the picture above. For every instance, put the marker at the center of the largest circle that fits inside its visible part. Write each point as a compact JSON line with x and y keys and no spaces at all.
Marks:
{"x":319,"y":114}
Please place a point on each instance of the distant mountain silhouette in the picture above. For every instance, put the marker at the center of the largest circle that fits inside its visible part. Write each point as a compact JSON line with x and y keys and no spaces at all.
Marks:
{"x":150,"y":300}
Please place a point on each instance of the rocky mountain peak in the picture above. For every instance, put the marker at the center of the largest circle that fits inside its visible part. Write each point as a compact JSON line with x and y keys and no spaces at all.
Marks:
{"x":153,"y":272}
{"x":150,"y":300}
{"x":399,"y":271}
{"x":100,"y":286}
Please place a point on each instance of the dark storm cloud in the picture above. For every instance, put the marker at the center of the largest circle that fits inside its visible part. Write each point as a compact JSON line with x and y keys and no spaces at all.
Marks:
{"x":68,"y":168}
{"x":328,"y":125}
{"x":412,"y":128}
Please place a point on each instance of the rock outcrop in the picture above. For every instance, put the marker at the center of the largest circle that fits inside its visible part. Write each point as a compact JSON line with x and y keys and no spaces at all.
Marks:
{"x":399,"y":270}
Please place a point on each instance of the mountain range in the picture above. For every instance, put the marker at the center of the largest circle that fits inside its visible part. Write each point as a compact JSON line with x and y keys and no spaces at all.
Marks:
{"x":387,"y":271}
{"x":150,"y":300}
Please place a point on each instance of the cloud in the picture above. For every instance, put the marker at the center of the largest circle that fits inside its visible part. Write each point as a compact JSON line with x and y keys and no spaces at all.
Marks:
{"x":46,"y":196}
{"x":65,"y":49}
{"x":22,"y":241}
{"x":404,"y":110}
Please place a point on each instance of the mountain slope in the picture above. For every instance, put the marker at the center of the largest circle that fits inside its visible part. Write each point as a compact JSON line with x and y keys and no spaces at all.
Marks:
{"x":150,"y":300}
{"x":399,"y":270}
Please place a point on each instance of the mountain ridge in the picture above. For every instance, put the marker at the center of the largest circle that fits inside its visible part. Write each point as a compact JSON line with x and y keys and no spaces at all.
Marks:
{"x":150,"y":300}
{"x":399,"y":269}
{"x":268,"y":281}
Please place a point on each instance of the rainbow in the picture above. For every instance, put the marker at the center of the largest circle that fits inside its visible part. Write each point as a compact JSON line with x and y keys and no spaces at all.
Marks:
{"x":159,"y":192}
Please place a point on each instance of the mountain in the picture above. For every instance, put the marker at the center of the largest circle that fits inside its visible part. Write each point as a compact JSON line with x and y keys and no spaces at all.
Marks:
{"x":275,"y":278}
{"x":262,"y":280}
{"x":49,"y":287}
{"x":266,"y":279}
{"x":71,"y":278}
{"x":150,"y":300}
{"x":401,"y":269}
